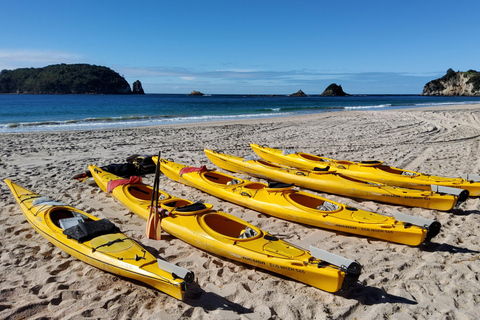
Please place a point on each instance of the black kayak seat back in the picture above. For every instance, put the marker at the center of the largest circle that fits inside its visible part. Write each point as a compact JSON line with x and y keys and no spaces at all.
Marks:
{"x":371,"y":162}
{"x":192,"y":207}
{"x":321,"y":169}
{"x":280,"y":185}
{"x":87,"y":230}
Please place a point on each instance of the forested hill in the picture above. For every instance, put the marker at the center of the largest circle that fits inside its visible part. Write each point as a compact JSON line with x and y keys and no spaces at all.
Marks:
{"x":64,"y":79}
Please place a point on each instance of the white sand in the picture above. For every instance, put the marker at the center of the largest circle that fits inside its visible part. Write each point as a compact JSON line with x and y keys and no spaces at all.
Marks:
{"x":435,"y":281}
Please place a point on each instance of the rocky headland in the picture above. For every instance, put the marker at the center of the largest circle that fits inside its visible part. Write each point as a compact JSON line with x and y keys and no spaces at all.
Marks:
{"x":454,"y":84}
{"x":64,"y":79}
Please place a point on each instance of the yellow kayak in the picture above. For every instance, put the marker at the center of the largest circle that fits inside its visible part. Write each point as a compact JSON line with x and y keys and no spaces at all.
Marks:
{"x":332,"y":182}
{"x":228,"y":236}
{"x":98,"y":242}
{"x":280,"y":200}
{"x":372,"y":170}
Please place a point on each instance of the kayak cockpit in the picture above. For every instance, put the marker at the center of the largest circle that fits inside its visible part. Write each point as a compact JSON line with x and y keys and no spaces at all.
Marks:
{"x":268,"y":164}
{"x":393,"y":170}
{"x":217,"y":224}
{"x":311,"y":157}
{"x":65,"y":218}
{"x":254,"y":186}
{"x":313,"y":203}
{"x":78,"y":226}
{"x":144,"y":192}
{"x":370,"y":163}
{"x":222,"y":179}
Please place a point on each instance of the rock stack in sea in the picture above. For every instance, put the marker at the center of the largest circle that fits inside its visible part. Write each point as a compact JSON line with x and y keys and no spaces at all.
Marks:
{"x":334,"y":90}
{"x":137,"y":88}
{"x":196,"y":93}
{"x":299,"y":93}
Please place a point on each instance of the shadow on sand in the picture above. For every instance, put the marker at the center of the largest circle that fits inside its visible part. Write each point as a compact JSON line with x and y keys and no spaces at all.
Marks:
{"x":371,"y":295}
{"x":443,"y":247}
{"x":459,"y":212}
{"x":209,"y":301}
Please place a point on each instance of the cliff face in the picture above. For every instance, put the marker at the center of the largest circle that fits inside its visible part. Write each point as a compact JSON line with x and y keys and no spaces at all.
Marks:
{"x":454,"y":84}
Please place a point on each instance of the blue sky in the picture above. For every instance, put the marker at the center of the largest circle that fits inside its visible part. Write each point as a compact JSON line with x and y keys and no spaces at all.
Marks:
{"x":257,"y":47}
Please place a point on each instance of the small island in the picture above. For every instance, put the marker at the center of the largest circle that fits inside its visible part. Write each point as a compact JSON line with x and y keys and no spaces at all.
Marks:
{"x":299,"y":93}
{"x":334,"y":90}
{"x":137,"y":88}
{"x":196,"y":93}
{"x":64,"y":79}
{"x":454,"y":84}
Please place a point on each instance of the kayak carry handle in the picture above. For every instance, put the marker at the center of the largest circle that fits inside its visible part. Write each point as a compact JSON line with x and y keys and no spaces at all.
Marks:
{"x":347,"y":265}
{"x":461,"y":194}
{"x":471,"y":177}
{"x":448,"y":190}
{"x":176,"y":271}
{"x":433,"y":227}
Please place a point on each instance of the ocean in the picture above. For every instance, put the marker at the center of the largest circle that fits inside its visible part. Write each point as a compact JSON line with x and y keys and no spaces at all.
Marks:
{"x":34,"y":113}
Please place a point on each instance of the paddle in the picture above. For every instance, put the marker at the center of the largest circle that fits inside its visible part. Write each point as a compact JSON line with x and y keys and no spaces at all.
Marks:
{"x":154,"y":228}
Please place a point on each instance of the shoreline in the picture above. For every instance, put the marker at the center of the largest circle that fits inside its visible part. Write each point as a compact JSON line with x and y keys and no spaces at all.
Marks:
{"x":274,"y":119}
{"x":435,"y":280}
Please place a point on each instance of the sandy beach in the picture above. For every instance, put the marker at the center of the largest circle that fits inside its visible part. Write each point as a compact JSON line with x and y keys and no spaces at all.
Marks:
{"x":438,"y":280}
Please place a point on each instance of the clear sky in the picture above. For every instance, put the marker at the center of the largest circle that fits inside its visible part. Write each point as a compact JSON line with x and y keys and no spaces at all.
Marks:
{"x":257,"y":47}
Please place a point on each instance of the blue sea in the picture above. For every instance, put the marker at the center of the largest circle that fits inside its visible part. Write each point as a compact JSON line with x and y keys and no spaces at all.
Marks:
{"x":33,"y":113}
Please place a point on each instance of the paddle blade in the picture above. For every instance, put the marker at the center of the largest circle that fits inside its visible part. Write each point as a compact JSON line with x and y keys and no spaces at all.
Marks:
{"x":154,"y":226}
